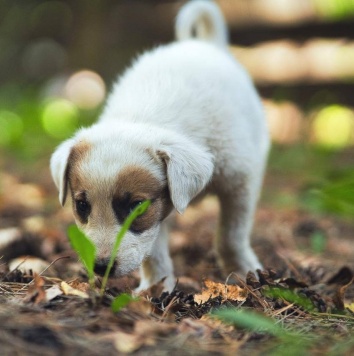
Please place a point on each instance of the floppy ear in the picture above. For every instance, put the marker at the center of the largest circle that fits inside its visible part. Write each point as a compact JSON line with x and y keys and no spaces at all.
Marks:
{"x":58,"y":167}
{"x":189,"y":169}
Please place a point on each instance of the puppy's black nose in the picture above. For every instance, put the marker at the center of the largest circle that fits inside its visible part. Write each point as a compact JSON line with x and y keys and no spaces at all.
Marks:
{"x":101,"y":267}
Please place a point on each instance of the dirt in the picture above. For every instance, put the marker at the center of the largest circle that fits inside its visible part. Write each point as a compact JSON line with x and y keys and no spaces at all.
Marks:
{"x":305,"y":288}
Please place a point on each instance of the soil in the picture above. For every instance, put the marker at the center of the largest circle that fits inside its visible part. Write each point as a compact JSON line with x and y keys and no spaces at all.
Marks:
{"x":305,"y":287}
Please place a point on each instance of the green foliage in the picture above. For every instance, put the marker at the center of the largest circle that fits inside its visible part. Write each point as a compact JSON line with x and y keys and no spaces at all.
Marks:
{"x":291,"y":297}
{"x":84,"y":248}
{"x":121,"y":301}
{"x":334,"y":195}
{"x":335,"y":9}
{"x":289,"y":342}
{"x":326,"y":183}
{"x":31,"y":125}
{"x":249,"y":320}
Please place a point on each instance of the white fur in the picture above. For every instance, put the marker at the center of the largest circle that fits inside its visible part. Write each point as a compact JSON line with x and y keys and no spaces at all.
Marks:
{"x":193,"y":105}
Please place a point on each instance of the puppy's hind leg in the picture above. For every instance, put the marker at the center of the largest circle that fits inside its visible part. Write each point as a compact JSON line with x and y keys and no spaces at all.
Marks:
{"x":238,"y":203}
{"x":158,"y":265}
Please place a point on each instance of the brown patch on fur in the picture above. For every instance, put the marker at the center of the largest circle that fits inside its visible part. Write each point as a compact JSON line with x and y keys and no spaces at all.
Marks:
{"x":77,"y":154}
{"x":137,"y":184}
{"x":74,"y":177}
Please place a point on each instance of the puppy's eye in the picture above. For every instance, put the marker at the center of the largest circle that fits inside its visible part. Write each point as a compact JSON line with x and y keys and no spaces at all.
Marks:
{"x":134,"y":204}
{"x":83,"y":208}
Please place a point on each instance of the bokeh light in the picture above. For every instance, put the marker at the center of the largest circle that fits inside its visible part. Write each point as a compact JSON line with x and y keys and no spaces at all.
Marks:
{"x":335,"y":9}
{"x":285,"y":121}
{"x":86,"y":89}
{"x":11,"y":127}
{"x":59,"y":118}
{"x":333,"y":127}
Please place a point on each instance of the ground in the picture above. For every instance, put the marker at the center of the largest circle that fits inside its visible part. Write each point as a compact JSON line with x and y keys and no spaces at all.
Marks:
{"x":302,"y":301}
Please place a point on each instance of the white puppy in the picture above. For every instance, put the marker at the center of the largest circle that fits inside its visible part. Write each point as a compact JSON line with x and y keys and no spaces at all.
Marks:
{"x":182,"y":121}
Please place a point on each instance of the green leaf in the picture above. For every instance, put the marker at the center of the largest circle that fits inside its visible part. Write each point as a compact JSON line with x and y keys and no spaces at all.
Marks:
{"x":249,"y":320}
{"x":84,"y":248}
{"x":121,"y":301}
{"x":139,"y":210}
{"x":291,"y":297}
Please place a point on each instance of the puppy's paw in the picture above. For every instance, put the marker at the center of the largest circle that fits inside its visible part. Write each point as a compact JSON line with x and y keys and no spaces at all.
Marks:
{"x":165,"y":284}
{"x":241,"y":263}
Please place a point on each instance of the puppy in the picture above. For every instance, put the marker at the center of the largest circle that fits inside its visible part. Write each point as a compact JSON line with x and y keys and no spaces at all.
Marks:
{"x":184,"y":120}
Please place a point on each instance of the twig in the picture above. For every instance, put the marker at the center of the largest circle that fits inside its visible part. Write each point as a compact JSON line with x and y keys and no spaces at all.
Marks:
{"x":51,"y":264}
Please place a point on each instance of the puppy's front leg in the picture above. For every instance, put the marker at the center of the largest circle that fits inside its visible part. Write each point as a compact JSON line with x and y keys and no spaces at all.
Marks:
{"x":233,"y":245}
{"x":159,"y":264}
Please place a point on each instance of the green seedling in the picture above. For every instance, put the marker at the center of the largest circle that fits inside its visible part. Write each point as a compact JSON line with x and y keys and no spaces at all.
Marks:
{"x":121,"y":301}
{"x":87,"y":251}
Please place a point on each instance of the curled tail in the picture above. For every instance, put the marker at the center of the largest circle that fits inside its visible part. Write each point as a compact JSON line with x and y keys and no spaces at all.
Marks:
{"x":201,"y":19}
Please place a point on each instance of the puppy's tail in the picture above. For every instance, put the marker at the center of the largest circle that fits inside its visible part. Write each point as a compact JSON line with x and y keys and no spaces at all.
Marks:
{"x":201,"y":19}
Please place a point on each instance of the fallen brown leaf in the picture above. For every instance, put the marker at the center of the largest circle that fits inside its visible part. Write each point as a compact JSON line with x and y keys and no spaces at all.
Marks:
{"x":227,"y":292}
{"x":81,"y":286}
{"x":36,"y":293}
{"x":146,"y":333}
{"x":341,"y":280}
{"x":53,"y":292}
{"x":127,"y":343}
{"x":68,"y":290}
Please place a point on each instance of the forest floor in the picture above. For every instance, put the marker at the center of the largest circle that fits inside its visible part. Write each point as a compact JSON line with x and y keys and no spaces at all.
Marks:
{"x":303,"y":302}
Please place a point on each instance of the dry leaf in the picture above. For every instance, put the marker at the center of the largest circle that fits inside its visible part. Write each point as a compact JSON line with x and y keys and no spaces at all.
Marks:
{"x":145,"y":333}
{"x":53,"y":292}
{"x":36,"y":293}
{"x":127,"y":343}
{"x":150,"y":330}
{"x":350,"y":307}
{"x":215,"y":323}
{"x":228,"y":292}
{"x":81,"y":286}
{"x":68,"y":290}
{"x":141,"y":306}
{"x":341,"y":280}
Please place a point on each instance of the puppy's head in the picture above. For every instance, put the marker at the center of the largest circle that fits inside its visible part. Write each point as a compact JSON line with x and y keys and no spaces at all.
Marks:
{"x":109,"y":175}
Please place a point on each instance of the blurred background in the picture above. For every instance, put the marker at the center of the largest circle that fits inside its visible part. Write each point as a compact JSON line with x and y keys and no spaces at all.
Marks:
{"x":58,"y":60}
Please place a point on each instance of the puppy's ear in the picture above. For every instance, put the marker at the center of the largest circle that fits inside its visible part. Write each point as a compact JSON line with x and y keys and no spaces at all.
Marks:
{"x":189,"y":168}
{"x":58,"y":167}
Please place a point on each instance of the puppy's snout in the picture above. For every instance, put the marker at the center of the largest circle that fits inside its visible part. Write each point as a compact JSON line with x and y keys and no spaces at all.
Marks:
{"x":101,"y":267}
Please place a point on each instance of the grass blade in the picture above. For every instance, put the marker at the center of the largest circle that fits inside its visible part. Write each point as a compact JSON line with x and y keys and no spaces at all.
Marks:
{"x":249,"y":320}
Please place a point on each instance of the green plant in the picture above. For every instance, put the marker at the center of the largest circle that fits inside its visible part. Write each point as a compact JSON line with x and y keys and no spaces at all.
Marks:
{"x":333,"y":195}
{"x":87,"y":251}
{"x":249,"y":320}
{"x":292,"y":342}
{"x":121,"y":301}
{"x":291,"y":297}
